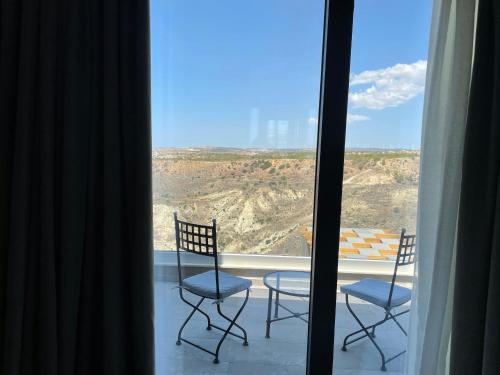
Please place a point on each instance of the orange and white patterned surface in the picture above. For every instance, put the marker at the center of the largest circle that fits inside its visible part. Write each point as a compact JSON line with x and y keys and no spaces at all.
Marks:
{"x":363,"y":243}
{"x":368,"y":243}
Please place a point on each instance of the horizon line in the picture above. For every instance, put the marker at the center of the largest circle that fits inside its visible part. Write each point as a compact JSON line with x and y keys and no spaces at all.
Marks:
{"x":284,"y":149}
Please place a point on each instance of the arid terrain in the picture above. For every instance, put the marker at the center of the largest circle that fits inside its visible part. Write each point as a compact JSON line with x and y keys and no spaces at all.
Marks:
{"x":263,"y":200}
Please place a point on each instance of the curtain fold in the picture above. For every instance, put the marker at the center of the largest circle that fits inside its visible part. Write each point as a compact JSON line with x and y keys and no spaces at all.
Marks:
{"x":76,"y":284}
{"x":444,"y":119}
{"x":475,"y":339}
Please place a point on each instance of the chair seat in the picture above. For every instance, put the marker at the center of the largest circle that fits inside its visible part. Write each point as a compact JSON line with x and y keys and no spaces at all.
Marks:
{"x":377,"y":292}
{"x":204,"y":285}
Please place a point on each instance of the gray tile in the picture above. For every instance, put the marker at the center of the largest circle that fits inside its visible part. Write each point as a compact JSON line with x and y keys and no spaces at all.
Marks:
{"x":283,"y":353}
{"x":362,"y":355}
{"x":363,"y":372}
{"x":256,"y":368}
{"x":185,"y":363}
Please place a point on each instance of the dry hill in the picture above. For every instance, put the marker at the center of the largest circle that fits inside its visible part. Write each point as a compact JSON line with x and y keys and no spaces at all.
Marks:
{"x":263,"y":200}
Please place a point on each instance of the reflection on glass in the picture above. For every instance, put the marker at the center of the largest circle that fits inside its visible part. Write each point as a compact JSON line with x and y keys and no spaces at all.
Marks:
{"x":235,"y":100}
{"x":380,"y":189}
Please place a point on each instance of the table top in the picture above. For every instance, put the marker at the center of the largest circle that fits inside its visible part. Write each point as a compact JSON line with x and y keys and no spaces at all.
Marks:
{"x":294,"y":283}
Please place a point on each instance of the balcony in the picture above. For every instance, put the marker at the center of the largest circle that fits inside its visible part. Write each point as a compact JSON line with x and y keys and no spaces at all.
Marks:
{"x":285,"y":351}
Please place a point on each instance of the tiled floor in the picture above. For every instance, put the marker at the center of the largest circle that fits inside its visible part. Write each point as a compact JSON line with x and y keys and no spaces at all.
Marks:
{"x":283,"y":353}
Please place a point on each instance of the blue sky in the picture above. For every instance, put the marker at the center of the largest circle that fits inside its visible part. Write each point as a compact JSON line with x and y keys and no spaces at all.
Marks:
{"x":231,"y":73}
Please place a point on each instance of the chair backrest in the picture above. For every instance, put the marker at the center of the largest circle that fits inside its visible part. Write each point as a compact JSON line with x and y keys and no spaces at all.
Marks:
{"x":405,"y":257}
{"x":198,"y":239}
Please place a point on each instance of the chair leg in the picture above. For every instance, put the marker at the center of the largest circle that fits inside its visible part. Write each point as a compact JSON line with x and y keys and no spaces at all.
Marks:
{"x":195,"y":308}
{"x":233,"y":322}
{"x":209,"y":325}
{"x":393,"y":317}
{"x":372,"y":327}
{"x":375,"y":326}
{"x":367,"y":334}
{"x":245,"y":340}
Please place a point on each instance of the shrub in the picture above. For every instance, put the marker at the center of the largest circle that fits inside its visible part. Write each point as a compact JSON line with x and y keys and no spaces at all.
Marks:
{"x":399,"y":177}
{"x":264,"y":164}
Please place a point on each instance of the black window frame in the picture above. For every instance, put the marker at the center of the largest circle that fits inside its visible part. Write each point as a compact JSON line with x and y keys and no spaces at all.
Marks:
{"x":337,"y":36}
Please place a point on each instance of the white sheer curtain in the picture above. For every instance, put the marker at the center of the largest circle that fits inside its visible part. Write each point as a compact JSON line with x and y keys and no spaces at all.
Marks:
{"x":445,"y":111}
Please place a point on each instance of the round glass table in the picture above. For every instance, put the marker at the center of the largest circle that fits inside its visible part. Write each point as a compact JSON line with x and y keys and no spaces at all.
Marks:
{"x":292,"y":283}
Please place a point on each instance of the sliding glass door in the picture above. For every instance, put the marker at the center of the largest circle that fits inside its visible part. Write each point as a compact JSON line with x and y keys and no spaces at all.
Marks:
{"x":249,"y":111}
{"x":380,"y":185}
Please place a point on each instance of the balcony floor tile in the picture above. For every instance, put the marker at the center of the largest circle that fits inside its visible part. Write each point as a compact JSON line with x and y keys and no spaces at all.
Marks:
{"x":283,"y":353}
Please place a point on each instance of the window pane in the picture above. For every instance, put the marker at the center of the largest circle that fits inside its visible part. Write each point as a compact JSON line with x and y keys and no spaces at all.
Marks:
{"x":235,"y":98}
{"x":381,"y":171}
{"x":235,"y":103}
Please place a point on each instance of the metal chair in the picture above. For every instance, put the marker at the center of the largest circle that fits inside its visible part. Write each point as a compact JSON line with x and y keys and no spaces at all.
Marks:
{"x":383,"y":294}
{"x":214,"y":284}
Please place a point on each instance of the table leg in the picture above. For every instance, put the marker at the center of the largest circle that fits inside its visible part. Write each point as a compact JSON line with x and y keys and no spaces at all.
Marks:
{"x":276,"y":304}
{"x":269,"y":306}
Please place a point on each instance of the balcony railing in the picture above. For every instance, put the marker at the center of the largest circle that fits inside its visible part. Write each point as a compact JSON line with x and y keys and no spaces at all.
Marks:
{"x":255,"y":266}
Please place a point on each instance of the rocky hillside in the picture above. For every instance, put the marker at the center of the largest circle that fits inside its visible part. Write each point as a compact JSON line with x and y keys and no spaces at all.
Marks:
{"x":263,"y":200}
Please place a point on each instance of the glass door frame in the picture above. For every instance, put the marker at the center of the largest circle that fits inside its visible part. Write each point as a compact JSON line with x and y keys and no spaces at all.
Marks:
{"x":337,"y":35}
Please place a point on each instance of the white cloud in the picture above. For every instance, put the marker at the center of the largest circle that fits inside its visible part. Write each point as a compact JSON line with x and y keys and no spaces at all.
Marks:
{"x":389,"y":87}
{"x":351,"y":117}
{"x":312,"y":121}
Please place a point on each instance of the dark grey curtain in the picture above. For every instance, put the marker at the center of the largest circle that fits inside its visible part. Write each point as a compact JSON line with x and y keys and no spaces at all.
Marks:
{"x":75,"y":188}
{"x":475,"y":346}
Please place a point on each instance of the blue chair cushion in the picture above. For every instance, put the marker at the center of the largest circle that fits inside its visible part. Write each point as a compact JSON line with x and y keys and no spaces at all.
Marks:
{"x":377,"y":292}
{"x":204,"y":285}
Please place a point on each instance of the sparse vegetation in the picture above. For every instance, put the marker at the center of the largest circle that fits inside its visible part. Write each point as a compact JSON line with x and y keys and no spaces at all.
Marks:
{"x":375,"y":156}
{"x":232,"y":157}
{"x":264,"y":164}
{"x":398,"y":177}
{"x":262,"y":198}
